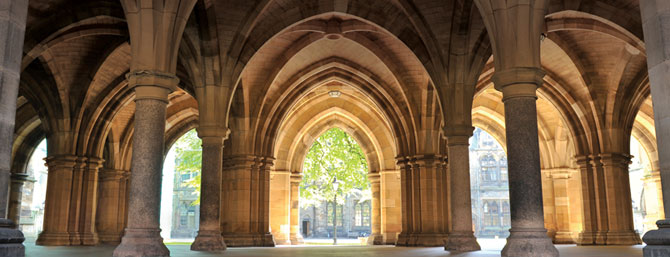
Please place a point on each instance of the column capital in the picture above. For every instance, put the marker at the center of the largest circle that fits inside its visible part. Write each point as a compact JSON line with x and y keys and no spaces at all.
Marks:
{"x":616,"y":159}
{"x":113,"y":174}
{"x":151,"y":84}
{"x":67,"y":161}
{"x":216,"y":133}
{"x":518,"y":81}
{"x":19,"y":177}
{"x":296,"y":177}
{"x":374,"y":177}
{"x":458,"y":134}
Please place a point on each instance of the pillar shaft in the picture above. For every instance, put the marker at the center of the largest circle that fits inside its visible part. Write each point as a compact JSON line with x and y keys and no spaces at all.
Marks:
{"x":295,"y":236}
{"x":656,"y":28}
{"x":209,"y":236}
{"x":58,"y":200}
{"x":142,"y":234}
{"x":424,"y":201}
{"x":528,"y":237}
{"x":112,"y":204}
{"x":13,"y":26}
{"x":15,"y":195}
{"x":375,"y":237}
{"x":461,"y":236}
{"x":245,"y":208}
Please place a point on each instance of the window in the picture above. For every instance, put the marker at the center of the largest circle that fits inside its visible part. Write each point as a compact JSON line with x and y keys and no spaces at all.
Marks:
{"x":358,"y":218}
{"x":329,"y":211}
{"x":366,"y":213}
{"x":339,"y":215}
{"x":503,"y":173}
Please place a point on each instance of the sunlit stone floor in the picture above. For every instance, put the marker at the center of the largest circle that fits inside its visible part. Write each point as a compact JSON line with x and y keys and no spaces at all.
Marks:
{"x":490,"y":248}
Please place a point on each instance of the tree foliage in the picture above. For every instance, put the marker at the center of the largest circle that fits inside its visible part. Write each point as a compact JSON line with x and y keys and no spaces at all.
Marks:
{"x":334,"y":154}
{"x":188,"y":159}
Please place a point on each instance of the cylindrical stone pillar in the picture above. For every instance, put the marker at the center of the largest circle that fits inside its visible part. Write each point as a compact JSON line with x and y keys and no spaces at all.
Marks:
{"x":13,"y":26}
{"x":142,"y":235}
{"x":528,"y":237}
{"x":294,"y":235}
{"x":375,"y":237}
{"x":15,"y":195}
{"x":209,"y":236}
{"x":461,"y":237}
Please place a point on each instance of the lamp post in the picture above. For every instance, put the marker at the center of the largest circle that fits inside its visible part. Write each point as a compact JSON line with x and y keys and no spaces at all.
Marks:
{"x":335,"y":185}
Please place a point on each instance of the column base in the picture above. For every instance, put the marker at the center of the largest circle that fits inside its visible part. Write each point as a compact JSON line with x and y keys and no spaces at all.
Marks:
{"x":11,"y":239}
{"x":563,"y":237}
{"x":243,"y":240}
{"x":375,"y":239}
{"x":141,"y":243}
{"x":297,"y":239}
{"x":461,"y":242}
{"x":89,"y":239}
{"x":53,"y":238}
{"x":529,"y":243}
{"x":623,"y":238}
{"x":389,"y":238}
{"x":591,"y":238}
{"x":658,"y":241}
{"x":208,"y":240}
{"x":111,"y":238}
{"x":424,"y":239}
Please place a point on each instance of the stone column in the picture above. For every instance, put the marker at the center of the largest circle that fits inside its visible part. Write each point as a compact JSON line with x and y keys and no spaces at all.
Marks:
{"x":560,"y":179}
{"x":89,"y":202}
{"x":15,"y":195}
{"x":375,"y":237}
{"x":620,"y":228}
{"x":13,"y":26}
{"x":209,"y":236}
{"x":295,"y":236}
{"x":142,"y":235}
{"x":656,"y":28}
{"x":390,"y":205}
{"x":653,"y":199}
{"x":514,"y":27}
{"x":461,"y":236}
{"x":246,"y":216}
{"x":424,"y":185}
{"x":58,"y":200}
{"x":112,"y":205}
{"x":280,"y":207}
{"x":528,"y":237}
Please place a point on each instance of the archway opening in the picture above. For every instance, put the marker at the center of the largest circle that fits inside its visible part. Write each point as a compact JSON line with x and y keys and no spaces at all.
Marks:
{"x":642,"y":188}
{"x":335,"y":195}
{"x":489,"y":186}
{"x":180,"y":195}
{"x":33,"y":194}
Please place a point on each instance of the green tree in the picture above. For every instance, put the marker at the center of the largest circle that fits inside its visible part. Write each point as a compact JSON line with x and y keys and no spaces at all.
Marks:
{"x":188,"y":159}
{"x":334,"y":154}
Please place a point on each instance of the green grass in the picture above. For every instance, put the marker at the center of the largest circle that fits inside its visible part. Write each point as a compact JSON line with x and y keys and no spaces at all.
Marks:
{"x":319,"y":243}
{"x":177,"y":243}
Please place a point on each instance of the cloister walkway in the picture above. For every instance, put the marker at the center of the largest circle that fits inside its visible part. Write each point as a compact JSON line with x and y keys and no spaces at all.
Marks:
{"x":491,"y":248}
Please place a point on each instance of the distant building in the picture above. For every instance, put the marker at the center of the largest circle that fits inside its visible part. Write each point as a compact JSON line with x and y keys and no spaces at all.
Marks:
{"x":353,"y":219}
{"x":489,"y":186}
{"x":186,"y":215}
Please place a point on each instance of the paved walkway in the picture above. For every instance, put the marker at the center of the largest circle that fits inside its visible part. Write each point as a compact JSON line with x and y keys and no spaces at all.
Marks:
{"x":490,"y":248}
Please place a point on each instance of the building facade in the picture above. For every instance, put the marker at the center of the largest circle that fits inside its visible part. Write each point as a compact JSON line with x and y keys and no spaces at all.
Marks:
{"x":489,"y":186}
{"x":353,"y":219}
